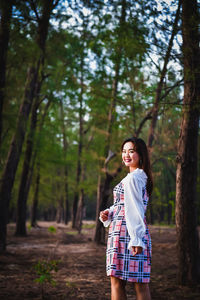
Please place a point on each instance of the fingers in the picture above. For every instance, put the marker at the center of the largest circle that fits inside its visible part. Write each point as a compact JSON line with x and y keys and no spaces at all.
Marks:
{"x":136,"y":250}
{"x":104,"y":215}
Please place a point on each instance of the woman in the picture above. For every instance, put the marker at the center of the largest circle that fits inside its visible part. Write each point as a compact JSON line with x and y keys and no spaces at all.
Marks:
{"x":129,"y":243}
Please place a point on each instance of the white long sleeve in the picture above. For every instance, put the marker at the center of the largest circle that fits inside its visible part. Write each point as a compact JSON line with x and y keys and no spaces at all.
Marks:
{"x":134,"y":183}
{"x":107,"y":223}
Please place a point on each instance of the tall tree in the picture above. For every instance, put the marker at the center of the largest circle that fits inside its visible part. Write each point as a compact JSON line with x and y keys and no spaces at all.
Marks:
{"x":5,"y":12}
{"x":186,"y":177}
{"x":43,"y":25}
{"x":80,"y":145}
{"x":105,"y":178}
{"x":18,"y":137}
{"x":159,"y":89}
{"x":64,"y":138}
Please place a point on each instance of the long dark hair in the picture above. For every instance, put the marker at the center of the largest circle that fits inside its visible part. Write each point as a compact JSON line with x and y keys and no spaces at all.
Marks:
{"x":144,"y":162}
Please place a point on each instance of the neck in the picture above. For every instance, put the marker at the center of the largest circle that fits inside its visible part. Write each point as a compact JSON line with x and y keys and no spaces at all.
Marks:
{"x":131,"y":169}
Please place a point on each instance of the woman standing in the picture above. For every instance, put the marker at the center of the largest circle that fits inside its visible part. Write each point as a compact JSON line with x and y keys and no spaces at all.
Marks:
{"x":129,"y":243}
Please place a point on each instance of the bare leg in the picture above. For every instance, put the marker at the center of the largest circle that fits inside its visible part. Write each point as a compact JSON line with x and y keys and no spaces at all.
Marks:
{"x":142,"y":291}
{"x":117,"y":289}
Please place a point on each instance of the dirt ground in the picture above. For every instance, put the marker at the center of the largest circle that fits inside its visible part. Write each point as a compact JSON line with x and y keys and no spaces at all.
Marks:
{"x":81,"y":266}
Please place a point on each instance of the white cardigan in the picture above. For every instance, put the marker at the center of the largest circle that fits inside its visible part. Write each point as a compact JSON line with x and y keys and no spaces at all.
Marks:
{"x":134,"y":183}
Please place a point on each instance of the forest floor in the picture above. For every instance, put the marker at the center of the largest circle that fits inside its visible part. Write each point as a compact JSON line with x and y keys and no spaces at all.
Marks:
{"x":81,"y":265}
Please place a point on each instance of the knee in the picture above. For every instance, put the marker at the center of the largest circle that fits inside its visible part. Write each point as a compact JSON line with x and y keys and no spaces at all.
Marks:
{"x":117,"y":283}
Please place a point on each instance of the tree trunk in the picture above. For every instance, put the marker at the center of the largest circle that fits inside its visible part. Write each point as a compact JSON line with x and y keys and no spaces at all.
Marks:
{"x":155,"y":109}
{"x":29,"y":180}
{"x":23,"y":188}
{"x":60,"y":210}
{"x":79,"y":215}
{"x":103,"y":193}
{"x":80,"y":147}
{"x":43,"y":24}
{"x":66,"y":209}
{"x":18,"y":138}
{"x":14,"y":153}
{"x":6,"y":12}
{"x":35,"y":200}
{"x":186,"y":177}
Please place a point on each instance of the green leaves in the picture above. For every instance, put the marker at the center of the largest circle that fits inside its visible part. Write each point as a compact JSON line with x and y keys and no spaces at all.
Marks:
{"x":44,"y":269}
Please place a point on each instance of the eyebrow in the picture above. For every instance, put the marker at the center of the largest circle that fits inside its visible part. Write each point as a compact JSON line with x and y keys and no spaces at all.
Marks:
{"x":128,"y":149}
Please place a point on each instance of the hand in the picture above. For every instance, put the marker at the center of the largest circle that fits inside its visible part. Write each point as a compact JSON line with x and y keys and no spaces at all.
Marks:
{"x":136,"y":250}
{"x":104,"y":215}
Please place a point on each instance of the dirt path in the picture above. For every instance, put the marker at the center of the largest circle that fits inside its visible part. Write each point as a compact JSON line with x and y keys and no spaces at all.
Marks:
{"x":81,"y":268}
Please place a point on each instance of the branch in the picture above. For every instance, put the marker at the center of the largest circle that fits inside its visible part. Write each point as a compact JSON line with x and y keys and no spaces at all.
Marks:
{"x":147,"y":117}
{"x":34,"y":8}
{"x":170,"y":89}
{"x":109,"y":157}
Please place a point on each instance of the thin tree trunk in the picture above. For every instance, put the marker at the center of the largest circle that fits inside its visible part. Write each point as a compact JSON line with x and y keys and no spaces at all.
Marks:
{"x":155,"y":109}
{"x":29,"y":180}
{"x":80,"y":147}
{"x":35,"y":200}
{"x":60,"y":210}
{"x":66,"y":209}
{"x":79,"y":215}
{"x":23,"y":191}
{"x":104,"y":181}
{"x":5,"y":12}
{"x":187,"y":159}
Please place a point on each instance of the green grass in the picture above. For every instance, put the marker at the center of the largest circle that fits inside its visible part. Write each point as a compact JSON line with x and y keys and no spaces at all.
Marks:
{"x":88,"y":226}
{"x":72,"y":232}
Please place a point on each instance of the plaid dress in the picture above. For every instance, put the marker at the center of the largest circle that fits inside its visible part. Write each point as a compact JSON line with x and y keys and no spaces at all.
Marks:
{"x":119,"y":261}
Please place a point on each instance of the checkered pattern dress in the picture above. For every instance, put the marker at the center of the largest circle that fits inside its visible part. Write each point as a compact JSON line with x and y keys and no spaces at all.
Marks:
{"x":119,"y":261}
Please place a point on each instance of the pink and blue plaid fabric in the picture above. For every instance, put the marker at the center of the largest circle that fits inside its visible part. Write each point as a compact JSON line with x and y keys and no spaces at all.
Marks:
{"x":120,"y":262}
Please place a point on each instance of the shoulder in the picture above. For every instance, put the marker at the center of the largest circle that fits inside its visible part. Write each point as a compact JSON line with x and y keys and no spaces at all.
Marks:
{"x":137,"y":176}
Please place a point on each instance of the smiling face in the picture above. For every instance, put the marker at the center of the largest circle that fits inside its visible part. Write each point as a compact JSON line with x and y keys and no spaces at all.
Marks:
{"x":130,"y":157}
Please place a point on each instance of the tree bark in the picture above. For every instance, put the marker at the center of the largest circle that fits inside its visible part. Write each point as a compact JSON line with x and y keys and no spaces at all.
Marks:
{"x":35,"y":200}
{"x":66,"y":209}
{"x":6,"y":12}
{"x":186,"y":176}
{"x":24,"y":183}
{"x":43,"y":24}
{"x":18,"y":138}
{"x":80,"y":147}
{"x":29,"y":179}
{"x":14,"y":154}
{"x":155,"y":109}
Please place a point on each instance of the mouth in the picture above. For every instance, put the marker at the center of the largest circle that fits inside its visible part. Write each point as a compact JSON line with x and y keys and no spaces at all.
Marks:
{"x":127,"y":160}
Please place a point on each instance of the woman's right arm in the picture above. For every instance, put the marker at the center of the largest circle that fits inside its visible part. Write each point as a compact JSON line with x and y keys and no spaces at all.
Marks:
{"x":106,"y":216}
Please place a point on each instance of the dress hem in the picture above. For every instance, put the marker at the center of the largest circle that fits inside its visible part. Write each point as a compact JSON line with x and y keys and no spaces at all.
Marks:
{"x":147,"y":280}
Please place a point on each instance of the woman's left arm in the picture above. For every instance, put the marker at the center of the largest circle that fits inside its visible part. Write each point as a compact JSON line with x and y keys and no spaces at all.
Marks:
{"x":134,"y":212}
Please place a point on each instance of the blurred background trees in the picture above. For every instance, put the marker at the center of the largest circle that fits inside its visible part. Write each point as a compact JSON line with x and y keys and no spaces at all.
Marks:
{"x":77,"y":78}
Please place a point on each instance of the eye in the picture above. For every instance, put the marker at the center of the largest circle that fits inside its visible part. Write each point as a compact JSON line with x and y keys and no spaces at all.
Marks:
{"x":132,"y":151}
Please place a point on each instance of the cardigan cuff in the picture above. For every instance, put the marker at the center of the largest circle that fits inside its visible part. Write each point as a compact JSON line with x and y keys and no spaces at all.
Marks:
{"x":106,"y":223}
{"x":136,"y":242}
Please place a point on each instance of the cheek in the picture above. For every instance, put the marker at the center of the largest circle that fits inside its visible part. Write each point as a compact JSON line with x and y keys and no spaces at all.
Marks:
{"x":136,"y":157}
